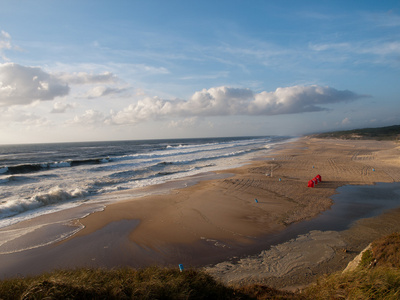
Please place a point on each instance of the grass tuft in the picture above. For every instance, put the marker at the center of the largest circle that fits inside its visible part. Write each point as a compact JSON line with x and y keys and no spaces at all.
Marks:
{"x":386,"y":251}
{"x":367,"y":259}
{"x":378,"y":283}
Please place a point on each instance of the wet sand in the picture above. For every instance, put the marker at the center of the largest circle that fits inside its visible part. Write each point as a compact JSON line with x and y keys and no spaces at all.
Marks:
{"x":219,"y":221}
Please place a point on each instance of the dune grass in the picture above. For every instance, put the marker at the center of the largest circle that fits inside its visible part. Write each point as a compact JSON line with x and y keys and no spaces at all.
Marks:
{"x":386,"y":251}
{"x":377,"y":283}
{"x":148,"y":283}
{"x":377,"y":277}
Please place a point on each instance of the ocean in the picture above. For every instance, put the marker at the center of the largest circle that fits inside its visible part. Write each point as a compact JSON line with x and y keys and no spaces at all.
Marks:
{"x":38,"y":179}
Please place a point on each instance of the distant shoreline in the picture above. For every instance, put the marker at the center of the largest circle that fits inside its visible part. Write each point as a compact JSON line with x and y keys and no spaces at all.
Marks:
{"x":388,"y":133}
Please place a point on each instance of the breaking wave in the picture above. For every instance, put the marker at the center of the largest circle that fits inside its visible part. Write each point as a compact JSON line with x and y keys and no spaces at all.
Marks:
{"x":55,"y":195}
{"x":36,"y":167}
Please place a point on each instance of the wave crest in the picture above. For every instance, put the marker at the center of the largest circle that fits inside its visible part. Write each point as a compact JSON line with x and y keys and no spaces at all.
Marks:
{"x":53,"y":196}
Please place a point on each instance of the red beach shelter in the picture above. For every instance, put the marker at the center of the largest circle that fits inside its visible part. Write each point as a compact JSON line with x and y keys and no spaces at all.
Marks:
{"x":318,"y":178}
{"x":311,"y":183}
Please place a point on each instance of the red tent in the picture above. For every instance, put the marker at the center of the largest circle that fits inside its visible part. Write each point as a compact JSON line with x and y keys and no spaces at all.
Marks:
{"x":318,"y":178}
{"x":315,"y":180}
{"x":311,"y":183}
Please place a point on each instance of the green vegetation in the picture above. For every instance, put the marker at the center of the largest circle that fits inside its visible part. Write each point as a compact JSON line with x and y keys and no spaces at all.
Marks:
{"x":377,"y":277}
{"x":367,"y":258}
{"x":381,"y":133}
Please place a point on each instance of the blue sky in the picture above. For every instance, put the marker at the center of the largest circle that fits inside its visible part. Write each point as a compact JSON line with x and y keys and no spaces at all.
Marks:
{"x":120,"y":70}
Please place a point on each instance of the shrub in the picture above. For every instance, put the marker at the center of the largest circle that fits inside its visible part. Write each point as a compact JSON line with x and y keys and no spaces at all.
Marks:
{"x":367,"y":259}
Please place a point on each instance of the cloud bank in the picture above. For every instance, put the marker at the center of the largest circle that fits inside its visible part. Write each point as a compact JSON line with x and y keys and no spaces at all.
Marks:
{"x":24,"y":85}
{"x":227,"y":101}
{"x":21,"y":85}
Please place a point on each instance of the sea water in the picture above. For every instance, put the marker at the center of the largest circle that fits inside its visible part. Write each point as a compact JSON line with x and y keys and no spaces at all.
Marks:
{"x":39,"y":179}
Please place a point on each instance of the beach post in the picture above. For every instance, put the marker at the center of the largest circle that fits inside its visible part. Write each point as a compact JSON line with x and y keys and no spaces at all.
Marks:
{"x":181,"y":267}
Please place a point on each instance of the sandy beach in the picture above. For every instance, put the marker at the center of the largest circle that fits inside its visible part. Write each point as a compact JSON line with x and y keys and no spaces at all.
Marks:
{"x":228,"y":224}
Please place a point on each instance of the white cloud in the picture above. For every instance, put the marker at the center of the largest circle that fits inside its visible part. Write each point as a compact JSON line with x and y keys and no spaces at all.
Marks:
{"x":331,"y":46}
{"x":99,"y":85}
{"x":143,"y":110}
{"x":369,"y":47}
{"x":60,"y":107}
{"x":10,"y":116}
{"x":224,"y":101}
{"x":24,"y":85}
{"x":389,"y":48}
{"x":5,"y":43}
{"x":87,"y":78}
{"x":31,"y":119}
{"x":100,"y":91}
{"x":346,"y":121}
{"x":148,"y":70}
{"x":371,"y":51}
{"x":298,"y":99}
{"x":21,"y":85}
{"x":90,"y":117}
{"x":185,"y":123}
{"x":218,"y":101}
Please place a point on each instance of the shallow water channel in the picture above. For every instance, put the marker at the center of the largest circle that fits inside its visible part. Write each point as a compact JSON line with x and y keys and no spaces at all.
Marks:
{"x":352,"y":203}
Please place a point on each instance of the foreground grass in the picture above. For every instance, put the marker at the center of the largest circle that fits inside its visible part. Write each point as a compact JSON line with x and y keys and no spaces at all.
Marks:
{"x":377,"y":277}
{"x":149,"y":283}
{"x":162,"y":283}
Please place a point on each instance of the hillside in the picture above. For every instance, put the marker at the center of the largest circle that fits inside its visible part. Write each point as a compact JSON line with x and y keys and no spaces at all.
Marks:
{"x":380,"y":133}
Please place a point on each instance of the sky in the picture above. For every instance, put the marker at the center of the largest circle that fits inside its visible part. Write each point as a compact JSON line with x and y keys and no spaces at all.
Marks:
{"x":95,"y":70}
